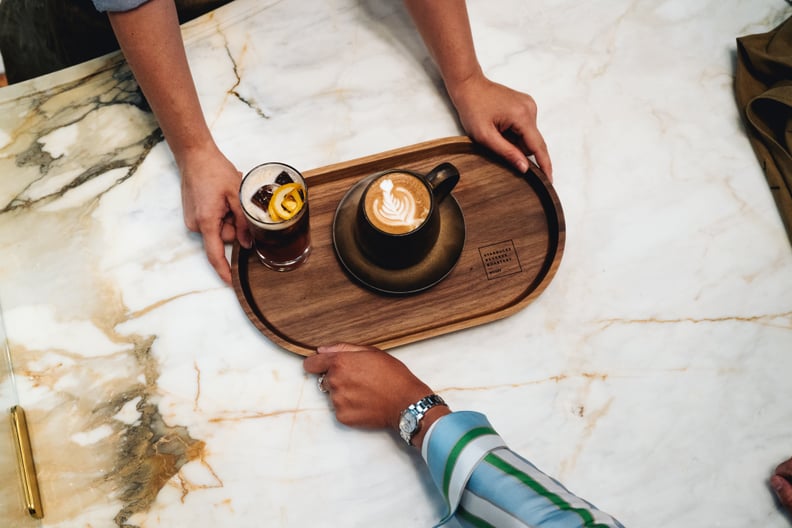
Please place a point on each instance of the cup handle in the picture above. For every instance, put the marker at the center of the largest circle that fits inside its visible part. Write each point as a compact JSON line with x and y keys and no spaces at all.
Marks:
{"x":443,"y":179}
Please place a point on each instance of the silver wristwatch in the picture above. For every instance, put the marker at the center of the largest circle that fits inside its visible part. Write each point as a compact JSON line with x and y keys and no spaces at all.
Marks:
{"x":410,"y":421}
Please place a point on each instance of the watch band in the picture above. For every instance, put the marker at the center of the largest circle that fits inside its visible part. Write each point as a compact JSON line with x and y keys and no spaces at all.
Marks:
{"x":411,"y":417}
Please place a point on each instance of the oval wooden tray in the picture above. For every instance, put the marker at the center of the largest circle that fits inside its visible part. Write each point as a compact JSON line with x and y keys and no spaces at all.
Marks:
{"x":514,"y":241}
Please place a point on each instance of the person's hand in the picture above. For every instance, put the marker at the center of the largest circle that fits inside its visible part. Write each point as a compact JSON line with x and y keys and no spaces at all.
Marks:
{"x":369,"y":388}
{"x":210,"y":201}
{"x":781,"y":481}
{"x":501,"y":119}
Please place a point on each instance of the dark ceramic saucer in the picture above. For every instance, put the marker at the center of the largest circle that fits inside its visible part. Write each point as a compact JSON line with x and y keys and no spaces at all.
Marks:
{"x":425,"y":274}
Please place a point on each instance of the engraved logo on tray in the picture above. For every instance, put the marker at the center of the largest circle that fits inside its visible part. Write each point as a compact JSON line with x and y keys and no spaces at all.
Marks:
{"x":500,"y":259}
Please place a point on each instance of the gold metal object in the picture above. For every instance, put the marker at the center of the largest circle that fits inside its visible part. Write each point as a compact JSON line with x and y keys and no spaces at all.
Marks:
{"x":27,"y":468}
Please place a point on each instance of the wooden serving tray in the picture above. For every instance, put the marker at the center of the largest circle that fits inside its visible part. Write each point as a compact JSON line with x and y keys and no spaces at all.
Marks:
{"x":514,"y":241}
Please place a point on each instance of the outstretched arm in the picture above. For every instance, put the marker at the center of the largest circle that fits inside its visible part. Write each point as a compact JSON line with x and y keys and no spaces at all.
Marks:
{"x":151,"y":41}
{"x":490,"y":112}
{"x":482,"y":481}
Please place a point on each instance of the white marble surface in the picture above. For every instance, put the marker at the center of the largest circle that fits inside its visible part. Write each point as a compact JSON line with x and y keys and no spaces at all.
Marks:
{"x":651,"y":377}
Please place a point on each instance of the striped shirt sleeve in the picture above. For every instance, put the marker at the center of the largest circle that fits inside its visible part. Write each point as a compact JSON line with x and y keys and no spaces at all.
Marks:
{"x":485,"y":484}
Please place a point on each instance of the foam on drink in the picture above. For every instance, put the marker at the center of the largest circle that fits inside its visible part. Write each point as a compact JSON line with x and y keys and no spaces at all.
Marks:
{"x":397,"y":203}
{"x":263,"y":176}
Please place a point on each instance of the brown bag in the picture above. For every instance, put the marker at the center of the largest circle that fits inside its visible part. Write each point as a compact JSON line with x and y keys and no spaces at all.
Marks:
{"x":763,"y":89}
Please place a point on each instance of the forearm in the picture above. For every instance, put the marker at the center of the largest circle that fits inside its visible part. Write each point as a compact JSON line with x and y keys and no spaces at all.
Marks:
{"x":486,"y":109}
{"x":151,"y":41}
{"x":445,"y":29}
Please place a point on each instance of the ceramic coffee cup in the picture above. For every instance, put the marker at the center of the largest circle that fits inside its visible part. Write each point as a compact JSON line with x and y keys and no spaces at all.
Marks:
{"x":398,"y":217}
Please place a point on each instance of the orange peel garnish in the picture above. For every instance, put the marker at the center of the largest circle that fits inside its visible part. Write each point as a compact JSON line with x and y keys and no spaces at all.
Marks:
{"x":287,"y":200}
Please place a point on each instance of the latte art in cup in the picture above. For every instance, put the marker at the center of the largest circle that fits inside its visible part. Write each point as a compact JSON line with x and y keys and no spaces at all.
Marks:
{"x":397,"y":203}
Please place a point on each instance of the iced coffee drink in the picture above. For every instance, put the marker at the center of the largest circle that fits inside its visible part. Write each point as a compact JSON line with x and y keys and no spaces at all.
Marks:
{"x":274,"y":197}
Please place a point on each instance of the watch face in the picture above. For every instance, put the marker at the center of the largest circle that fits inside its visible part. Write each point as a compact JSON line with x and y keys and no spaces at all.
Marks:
{"x":408,"y":422}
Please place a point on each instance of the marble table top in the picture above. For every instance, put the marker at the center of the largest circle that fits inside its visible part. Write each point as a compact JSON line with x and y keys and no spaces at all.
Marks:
{"x":651,"y":376}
